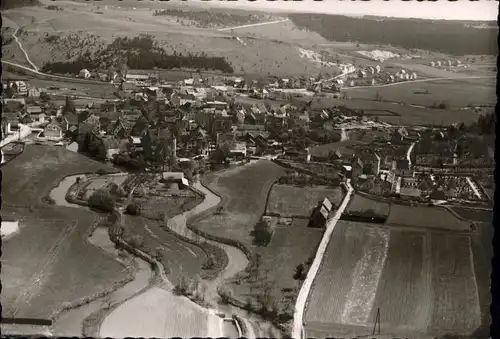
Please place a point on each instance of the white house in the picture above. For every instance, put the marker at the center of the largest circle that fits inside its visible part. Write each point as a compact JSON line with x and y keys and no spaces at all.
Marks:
{"x":439,"y":63}
{"x":175,"y":177}
{"x":433,"y":64}
{"x":84,"y":74}
{"x":20,"y":86}
{"x":377,"y":68}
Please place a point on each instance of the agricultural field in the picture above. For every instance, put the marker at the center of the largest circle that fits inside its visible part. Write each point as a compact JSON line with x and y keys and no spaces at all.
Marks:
{"x":474,"y":214}
{"x":482,"y":250}
{"x":425,"y":218}
{"x":405,"y":114}
{"x":39,"y":276}
{"x":34,"y":173}
{"x":404,"y":292}
{"x":455,"y":303}
{"x":417,"y":279}
{"x":154,"y":310}
{"x":287,"y":246}
{"x":294,"y":201}
{"x":349,"y":276}
{"x":456,"y":93}
{"x":359,"y":203}
{"x":243,"y":191}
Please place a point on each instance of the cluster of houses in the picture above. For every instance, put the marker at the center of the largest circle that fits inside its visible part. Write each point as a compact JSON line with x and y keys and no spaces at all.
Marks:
{"x":445,"y":63}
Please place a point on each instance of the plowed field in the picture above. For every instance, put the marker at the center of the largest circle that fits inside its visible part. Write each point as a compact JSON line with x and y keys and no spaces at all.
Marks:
{"x":425,"y":284}
{"x":425,"y":217}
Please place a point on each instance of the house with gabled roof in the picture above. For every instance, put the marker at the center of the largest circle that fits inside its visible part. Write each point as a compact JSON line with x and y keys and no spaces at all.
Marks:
{"x":320,"y":214}
{"x":88,"y":122}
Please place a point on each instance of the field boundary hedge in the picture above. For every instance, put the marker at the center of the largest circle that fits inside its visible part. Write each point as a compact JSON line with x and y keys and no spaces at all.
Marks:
{"x":27,"y":321}
{"x":360,"y":218}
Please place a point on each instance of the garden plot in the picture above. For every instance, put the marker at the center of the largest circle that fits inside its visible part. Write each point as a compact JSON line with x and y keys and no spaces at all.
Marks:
{"x":425,"y":218}
{"x":180,"y":259}
{"x":360,"y":203}
{"x":101,"y":182}
{"x":294,"y":201}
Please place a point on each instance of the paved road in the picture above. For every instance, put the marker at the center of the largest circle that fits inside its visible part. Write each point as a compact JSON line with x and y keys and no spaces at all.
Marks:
{"x":253,"y":25}
{"x":300,"y":306}
{"x":408,"y":154}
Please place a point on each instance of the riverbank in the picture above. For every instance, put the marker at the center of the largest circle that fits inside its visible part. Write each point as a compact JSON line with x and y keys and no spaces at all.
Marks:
{"x":129,"y":303}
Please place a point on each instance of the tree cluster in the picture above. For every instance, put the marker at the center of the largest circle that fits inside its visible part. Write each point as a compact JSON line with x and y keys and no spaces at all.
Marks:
{"x":262,"y":233}
{"x":102,"y":200}
{"x":485,"y":124}
{"x":441,"y":36}
{"x":9,"y":4}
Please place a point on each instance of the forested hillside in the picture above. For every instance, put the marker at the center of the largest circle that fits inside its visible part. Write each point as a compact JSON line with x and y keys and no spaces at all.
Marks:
{"x":451,"y":37}
{"x":9,"y":4}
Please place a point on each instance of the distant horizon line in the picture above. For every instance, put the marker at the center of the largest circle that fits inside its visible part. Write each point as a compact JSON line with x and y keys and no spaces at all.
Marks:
{"x":353,"y":9}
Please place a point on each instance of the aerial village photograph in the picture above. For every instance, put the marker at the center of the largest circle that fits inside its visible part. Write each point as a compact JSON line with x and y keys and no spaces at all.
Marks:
{"x":227,"y":169}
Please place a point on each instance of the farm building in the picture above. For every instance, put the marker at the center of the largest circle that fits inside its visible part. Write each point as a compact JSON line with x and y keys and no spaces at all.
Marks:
{"x":175,"y":177}
{"x":84,"y":74}
{"x":136,"y":77}
{"x":320,"y":214}
{"x":239,"y":150}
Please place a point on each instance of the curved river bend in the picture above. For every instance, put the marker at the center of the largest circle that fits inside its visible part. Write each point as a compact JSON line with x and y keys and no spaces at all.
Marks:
{"x":70,"y":322}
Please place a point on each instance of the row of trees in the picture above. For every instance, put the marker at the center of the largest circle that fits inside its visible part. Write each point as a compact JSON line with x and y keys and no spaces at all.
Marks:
{"x":9,"y":4}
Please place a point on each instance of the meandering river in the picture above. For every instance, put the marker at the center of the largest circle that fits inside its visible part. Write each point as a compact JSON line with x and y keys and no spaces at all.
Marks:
{"x":69,"y":323}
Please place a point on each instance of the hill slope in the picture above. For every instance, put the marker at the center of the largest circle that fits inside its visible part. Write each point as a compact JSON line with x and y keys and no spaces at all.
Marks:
{"x":432,"y":35}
